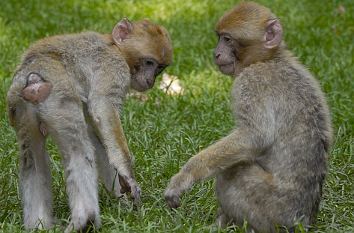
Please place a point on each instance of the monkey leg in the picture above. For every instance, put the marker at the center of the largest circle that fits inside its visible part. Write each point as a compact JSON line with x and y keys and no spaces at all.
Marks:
{"x":248,"y":193}
{"x":35,"y":177}
{"x":64,"y":117}
{"x":107,"y":173}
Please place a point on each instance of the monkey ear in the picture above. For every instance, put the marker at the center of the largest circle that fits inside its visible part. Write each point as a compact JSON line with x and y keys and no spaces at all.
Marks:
{"x":273,"y":34}
{"x":122,"y":30}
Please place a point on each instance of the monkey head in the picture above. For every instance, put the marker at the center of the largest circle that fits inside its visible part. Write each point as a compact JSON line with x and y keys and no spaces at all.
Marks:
{"x":147,"y":49}
{"x":249,"y":33}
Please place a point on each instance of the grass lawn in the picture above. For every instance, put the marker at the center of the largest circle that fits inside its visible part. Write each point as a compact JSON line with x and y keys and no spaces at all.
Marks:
{"x":164,"y":131}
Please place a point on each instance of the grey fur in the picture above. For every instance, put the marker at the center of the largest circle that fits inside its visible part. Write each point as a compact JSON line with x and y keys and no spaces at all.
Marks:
{"x":90,"y":78}
{"x":286,"y":119}
{"x":271,"y":168}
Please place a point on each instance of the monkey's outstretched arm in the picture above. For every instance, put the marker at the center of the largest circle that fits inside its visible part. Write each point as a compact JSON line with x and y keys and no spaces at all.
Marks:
{"x":230,"y":150}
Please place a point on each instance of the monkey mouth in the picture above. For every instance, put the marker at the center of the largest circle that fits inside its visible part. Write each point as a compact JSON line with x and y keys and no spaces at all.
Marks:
{"x":227,"y":68}
{"x":141,"y":88}
{"x":226,"y":65}
{"x":137,"y":86}
{"x":150,"y":83}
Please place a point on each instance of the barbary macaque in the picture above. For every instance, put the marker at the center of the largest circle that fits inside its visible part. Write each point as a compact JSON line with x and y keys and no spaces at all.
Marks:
{"x":270,"y":169}
{"x":72,"y":88}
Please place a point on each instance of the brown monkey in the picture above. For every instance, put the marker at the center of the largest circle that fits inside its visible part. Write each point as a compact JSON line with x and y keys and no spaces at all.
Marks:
{"x":72,"y":87}
{"x":270,"y":169}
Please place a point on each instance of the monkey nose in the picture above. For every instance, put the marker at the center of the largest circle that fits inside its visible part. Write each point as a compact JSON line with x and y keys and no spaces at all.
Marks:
{"x":217,"y":55}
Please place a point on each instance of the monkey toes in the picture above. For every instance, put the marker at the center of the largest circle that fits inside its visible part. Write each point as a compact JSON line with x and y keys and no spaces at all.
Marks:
{"x":89,"y":226}
{"x":37,"y":90}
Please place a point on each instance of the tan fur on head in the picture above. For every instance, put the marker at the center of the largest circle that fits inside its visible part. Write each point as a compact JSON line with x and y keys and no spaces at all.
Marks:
{"x":147,"y":40}
{"x":247,"y":24}
{"x":246,"y":20}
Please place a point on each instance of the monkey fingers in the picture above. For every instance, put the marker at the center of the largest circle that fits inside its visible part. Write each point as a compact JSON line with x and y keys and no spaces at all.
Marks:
{"x":178,"y":184}
{"x":37,"y":90}
{"x":172,"y":198}
{"x":124,"y":184}
{"x":130,"y":185}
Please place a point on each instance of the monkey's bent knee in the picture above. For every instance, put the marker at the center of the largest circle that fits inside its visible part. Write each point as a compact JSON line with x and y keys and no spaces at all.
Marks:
{"x":37,"y":90}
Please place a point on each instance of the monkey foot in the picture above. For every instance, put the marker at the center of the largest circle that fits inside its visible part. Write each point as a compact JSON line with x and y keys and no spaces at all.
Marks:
{"x":88,"y":226}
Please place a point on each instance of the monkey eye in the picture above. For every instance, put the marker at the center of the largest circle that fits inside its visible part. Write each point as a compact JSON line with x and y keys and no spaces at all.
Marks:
{"x":149,"y":62}
{"x":227,"y":38}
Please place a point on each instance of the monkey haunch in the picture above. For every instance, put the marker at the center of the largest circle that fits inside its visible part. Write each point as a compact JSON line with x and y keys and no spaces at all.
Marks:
{"x":73,"y":87}
{"x":270,"y":169}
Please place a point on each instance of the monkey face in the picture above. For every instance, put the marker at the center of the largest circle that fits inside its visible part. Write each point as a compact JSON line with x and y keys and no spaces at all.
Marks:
{"x":145,"y":73}
{"x":247,"y":34}
{"x":147,"y":49}
{"x":225,"y":54}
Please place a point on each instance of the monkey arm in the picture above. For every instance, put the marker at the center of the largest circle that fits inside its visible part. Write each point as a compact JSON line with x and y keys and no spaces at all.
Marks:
{"x":109,"y":129}
{"x":107,"y":90}
{"x":225,"y":153}
{"x":233,"y":149}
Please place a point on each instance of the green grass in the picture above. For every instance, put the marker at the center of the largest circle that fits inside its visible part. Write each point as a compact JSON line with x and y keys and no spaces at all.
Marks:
{"x":165,"y":131}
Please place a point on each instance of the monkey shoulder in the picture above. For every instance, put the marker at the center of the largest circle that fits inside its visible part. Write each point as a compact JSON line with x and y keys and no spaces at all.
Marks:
{"x":276,"y":79}
{"x":102,"y":52}
{"x":287,"y":91}
{"x":282,"y":90}
{"x":254,"y":83}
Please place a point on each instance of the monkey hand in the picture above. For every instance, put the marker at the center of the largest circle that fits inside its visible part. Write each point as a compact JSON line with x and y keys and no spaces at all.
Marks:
{"x":129,"y":184}
{"x":178,"y":184}
{"x":172,"y":198}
